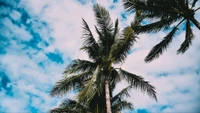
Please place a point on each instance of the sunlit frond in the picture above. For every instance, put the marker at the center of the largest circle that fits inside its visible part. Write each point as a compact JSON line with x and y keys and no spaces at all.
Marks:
{"x":68,"y":83}
{"x":123,"y":45}
{"x":90,"y":89}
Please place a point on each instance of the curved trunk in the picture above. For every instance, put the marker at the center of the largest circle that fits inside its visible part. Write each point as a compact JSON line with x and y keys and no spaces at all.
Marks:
{"x":196,"y":23}
{"x":108,"y":104}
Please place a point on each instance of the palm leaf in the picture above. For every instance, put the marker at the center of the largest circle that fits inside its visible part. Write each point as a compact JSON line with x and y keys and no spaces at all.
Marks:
{"x":103,"y":19}
{"x":89,"y":45}
{"x":78,"y":65}
{"x":69,"y":83}
{"x":90,"y":89}
{"x":158,"y":49}
{"x":139,"y":83}
{"x":154,"y":27}
{"x":121,"y":94}
{"x":146,"y":6}
{"x":105,"y":28}
{"x":63,"y":110}
{"x":114,"y":78}
{"x":121,"y":105}
{"x":188,"y":38}
{"x":116,"y":30}
{"x":123,"y":45}
{"x":71,"y":106}
{"x":194,"y":2}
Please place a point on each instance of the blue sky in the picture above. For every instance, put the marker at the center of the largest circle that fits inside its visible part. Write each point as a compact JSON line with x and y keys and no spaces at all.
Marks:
{"x":39,"y":38}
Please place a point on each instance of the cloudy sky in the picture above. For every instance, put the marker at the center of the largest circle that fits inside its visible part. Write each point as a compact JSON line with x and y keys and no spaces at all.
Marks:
{"x":38,"y":39}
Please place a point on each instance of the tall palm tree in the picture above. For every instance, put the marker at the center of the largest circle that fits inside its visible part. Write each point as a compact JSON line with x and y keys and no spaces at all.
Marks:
{"x":163,"y":14}
{"x":96,"y":106}
{"x":98,"y":75}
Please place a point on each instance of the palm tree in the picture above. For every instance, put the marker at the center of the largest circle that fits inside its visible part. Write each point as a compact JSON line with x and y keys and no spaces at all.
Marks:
{"x":163,"y":14}
{"x":117,"y":104}
{"x":98,"y":75}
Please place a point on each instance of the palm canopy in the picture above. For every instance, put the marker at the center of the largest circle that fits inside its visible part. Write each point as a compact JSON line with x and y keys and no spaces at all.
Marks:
{"x":163,"y":14}
{"x":88,"y":78}
{"x":96,"y":105}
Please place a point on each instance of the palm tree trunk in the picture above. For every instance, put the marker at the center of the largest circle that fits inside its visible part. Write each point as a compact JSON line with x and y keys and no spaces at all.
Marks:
{"x":108,"y":104}
{"x":196,"y":23}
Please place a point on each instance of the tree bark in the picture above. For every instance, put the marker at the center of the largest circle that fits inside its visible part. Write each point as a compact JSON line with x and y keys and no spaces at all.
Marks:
{"x":108,"y":104}
{"x":196,"y":23}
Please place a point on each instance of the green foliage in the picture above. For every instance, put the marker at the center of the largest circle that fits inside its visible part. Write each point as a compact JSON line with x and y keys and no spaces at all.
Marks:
{"x":118,"y":103}
{"x":163,"y":14}
{"x":139,"y":83}
{"x":160,"y":47}
{"x":122,"y":45}
{"x":71,"y":106}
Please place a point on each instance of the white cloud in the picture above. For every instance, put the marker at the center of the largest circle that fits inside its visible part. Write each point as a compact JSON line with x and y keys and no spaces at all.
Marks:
{"x":15,"y":15}
{"x":14,"y":31}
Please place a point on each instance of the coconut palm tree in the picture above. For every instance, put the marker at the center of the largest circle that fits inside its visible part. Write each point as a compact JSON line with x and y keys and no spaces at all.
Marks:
{"x":99,"y":75}
{"x":118,"y":103}
{"x":163,"y":14}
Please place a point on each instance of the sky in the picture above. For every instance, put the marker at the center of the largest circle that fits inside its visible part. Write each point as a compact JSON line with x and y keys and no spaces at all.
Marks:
{"x":39,"y":38}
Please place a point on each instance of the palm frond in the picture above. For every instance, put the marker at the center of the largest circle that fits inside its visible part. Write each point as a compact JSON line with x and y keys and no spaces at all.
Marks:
{"x":194,"y":2}
{"x":130,"y":5}
{"x":63,"y":110}
{"x":78,"y":65}
{"x":90,"y":45}
{"x":69,"y":83}
{"x":105,"y":28}
{"x":123,"y":45}
{"x":103,"y":19}
{"x":158,"y":49}
{"x":114,"y":78}
{"x":70,"y":106}
{"x":116,"y":30}
{"x":121,"y":105}
{"x":147,"y":6}
{"x":154,"y":27}
{"x":90,"y":89}
{"x":138,"y":82}
{"x":189,"y":36}
{"x":123,"y":93}
{"x":138,"y":19}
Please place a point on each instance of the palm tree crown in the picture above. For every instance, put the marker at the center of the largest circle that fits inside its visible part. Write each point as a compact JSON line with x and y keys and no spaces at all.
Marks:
{"x":164,"y":13}
{"x":98,"y":76}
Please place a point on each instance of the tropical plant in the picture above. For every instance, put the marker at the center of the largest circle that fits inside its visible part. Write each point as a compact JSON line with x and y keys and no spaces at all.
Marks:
{"x":89,"y":78}
{"x":163,"y":14}
{"x":96,"y":106}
